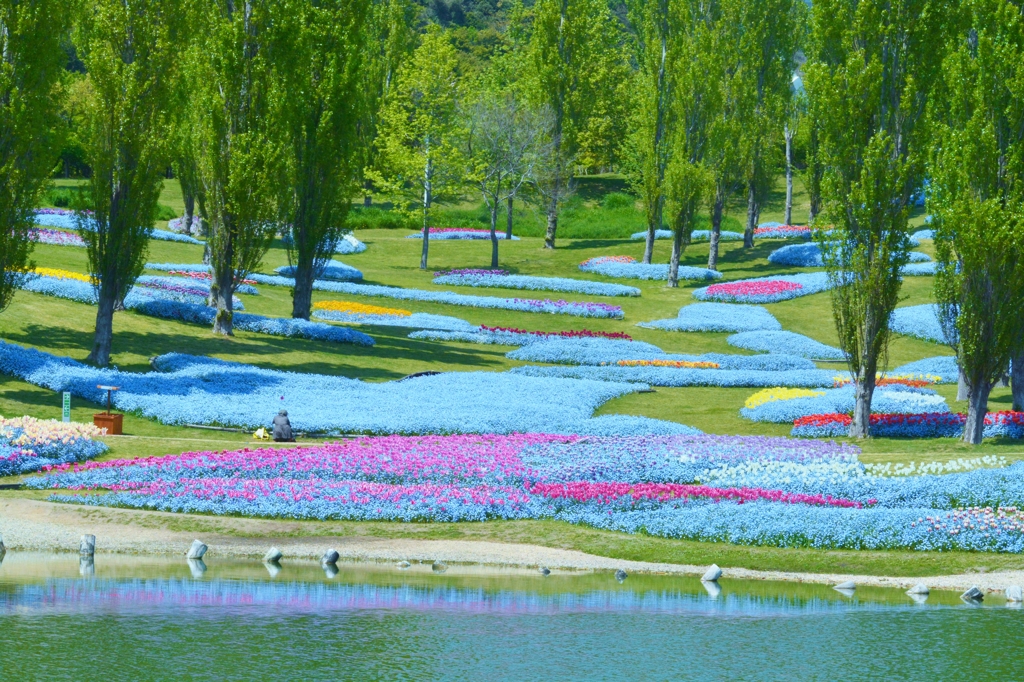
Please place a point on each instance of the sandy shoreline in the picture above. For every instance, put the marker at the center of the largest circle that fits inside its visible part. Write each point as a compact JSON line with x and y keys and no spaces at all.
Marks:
{"x":37,"y":526}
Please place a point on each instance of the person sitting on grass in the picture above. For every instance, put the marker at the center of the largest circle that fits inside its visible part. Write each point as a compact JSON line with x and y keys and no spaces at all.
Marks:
{"x":283,"y":428}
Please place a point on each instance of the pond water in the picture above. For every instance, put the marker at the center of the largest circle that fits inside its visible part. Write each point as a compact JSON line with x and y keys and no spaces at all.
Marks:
{"x":153,"y":618}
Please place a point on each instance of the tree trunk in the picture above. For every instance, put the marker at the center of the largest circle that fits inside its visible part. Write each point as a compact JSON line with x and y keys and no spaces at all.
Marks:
{"x":752,"y":212}
{"x":302,"y":294}
{"x":367,"y":196}
{"x":508,"y":221}
{"x":789,"y":175}
{"x":653,"y":225}
{"x":673,"y":264}
{"x":427,"y":198}
{"x":716,"y":228}
{"x":1017,"y":381}
{"x":494,"y":233}
{"x":962,"y":390}
{"x":100,"y":355}
{"x":860,"y":427}
{"x":222,"y":286}
{"x":549,"y":238}
{"x":190,"y":209}
{"x":977,"y":407}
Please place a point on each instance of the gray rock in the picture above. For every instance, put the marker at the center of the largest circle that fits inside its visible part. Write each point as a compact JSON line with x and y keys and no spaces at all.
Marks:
{"x":1014,"y":593}
{"x":544,"y":570}
{"x":272,"y":556}
{"x":403,"y":565}
{"x":439,"y":567}
{"x":87,"y":547}
{"x":330,"y":570}
{"x":973,"y":594}
{"x":196,"y":551}
{"x":197,"y":567}
{"x":86,"y":566}
{"x":919,"y":588}
{"x":330,"y":557}
{"x":848,"y":585}
{"x":621,"y":575}
{"x":713,"y":574}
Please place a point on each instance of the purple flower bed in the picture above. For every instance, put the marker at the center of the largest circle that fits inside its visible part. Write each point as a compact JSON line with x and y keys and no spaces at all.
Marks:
{"x":55,"y":237}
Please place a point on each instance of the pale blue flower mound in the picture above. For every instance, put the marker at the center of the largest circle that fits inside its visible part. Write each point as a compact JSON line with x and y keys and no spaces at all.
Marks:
{"x":198,"y":390}
{"x":626,"y":425}
{"x":789,"y":343}
{"x":181,"y":267}
{"x":916,"y":238}
{"x":680,"y":377}
{"x":83,"y":292}
{"x":597,"y":351}
{"x":349,"y":244}
{"x":416,"y":320}
{"x":531,"y":283}
{"x":333,"y":270}
{"x":717,"y":317}
{"x":944,"y":366}
{"x":274,"y":326}
{"x":69,"y":221}
{"x":810,"y":283}
{"x":887,"y":400}
{"x":529,"y":305}
{"x":919,"y":321}
{"x":919,"y":257}
{"x":645,"y":271}
{"x":696,"y":236}
{"x":797,"y":255}
{"x":918,"y":269}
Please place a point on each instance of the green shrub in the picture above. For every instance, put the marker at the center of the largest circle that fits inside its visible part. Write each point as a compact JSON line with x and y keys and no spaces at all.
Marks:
{"x":164,"y":212}
{"x":616,"y":200}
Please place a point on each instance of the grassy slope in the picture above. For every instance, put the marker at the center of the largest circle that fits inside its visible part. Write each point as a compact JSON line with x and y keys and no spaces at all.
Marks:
{"x":65,"y":328}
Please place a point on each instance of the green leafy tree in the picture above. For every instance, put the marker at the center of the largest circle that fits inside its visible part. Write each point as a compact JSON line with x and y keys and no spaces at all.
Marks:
{"x":694,"y":52}
{"x":765,"y":40}
{"x":421,"y":133}
{"x":129,"y":51}
{"x":871,"y":104}
{"x":238,"y":144}
{"x":318,"y":51}
{"x":31,"y":61}
{"x":573,"y":50}
{"x":978,"y":199}
{"x":390,"y":39}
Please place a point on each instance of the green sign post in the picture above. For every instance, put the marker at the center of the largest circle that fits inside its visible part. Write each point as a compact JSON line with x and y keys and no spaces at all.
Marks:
{"x":67,"y":407}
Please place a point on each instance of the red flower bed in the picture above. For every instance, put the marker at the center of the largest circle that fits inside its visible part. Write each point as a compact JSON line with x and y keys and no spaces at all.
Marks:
{"x":572,"y":333}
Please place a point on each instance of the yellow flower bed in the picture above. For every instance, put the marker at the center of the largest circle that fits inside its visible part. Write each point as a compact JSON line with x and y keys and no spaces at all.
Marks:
{"x":359,"y":308}
{"x":768,"y":395}
{"x":62,"y":274}
{"x":678,"y":364}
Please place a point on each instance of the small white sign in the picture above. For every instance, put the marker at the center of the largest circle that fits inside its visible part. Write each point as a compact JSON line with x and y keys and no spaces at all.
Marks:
{"x":67,"y":406}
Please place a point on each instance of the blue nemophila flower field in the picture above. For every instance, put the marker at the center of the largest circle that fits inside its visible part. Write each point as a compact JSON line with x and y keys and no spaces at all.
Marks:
{"x":679,"y":377}
{"x":888,"y":400}
{"x":789,"y":343}
{"x":627,"y":268}
{"x":333,"y":270}
{"x":501,"y":280}
{"x":919,"y":321}
{"x":717,"y":317}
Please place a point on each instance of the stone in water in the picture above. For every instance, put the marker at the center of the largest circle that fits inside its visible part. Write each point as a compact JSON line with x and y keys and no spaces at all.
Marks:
{"x":544,"y":570}
{"x":86,"y":566}
{"x":712,"y":588}
{"x":713,"y":574}
{"x":404,"y":565}
{"x":3,"y":548}
{"x":196,"y":551}
{"x":197,"y":567}
{"x":330,"y":570}
{"x":973,"y":594}
{"x":919,"y":588}
{"x":621,"y":575}
{"x":331,"y":556}
{"x":848,"y":585}
{"x":439,"y":566}
{"x":272,"y":556}
{"x":1014,"y":594}
{"x":87,"y":547}
{"x":273,"y":568}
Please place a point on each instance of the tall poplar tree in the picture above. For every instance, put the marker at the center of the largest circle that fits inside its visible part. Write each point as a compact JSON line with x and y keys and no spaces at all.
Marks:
{"x":31,"y":65}
{"x":318,"y":51}
{"x":421,"y":133}
{"x":238,"y":145}
{"x":871,"y":104}
{"x":572,"y":48}
{"x":129,"y":50}
{"x":977,"y":198}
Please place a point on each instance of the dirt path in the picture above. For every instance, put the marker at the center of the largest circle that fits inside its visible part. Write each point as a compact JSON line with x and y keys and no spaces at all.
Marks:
{"x":30,"y":525}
